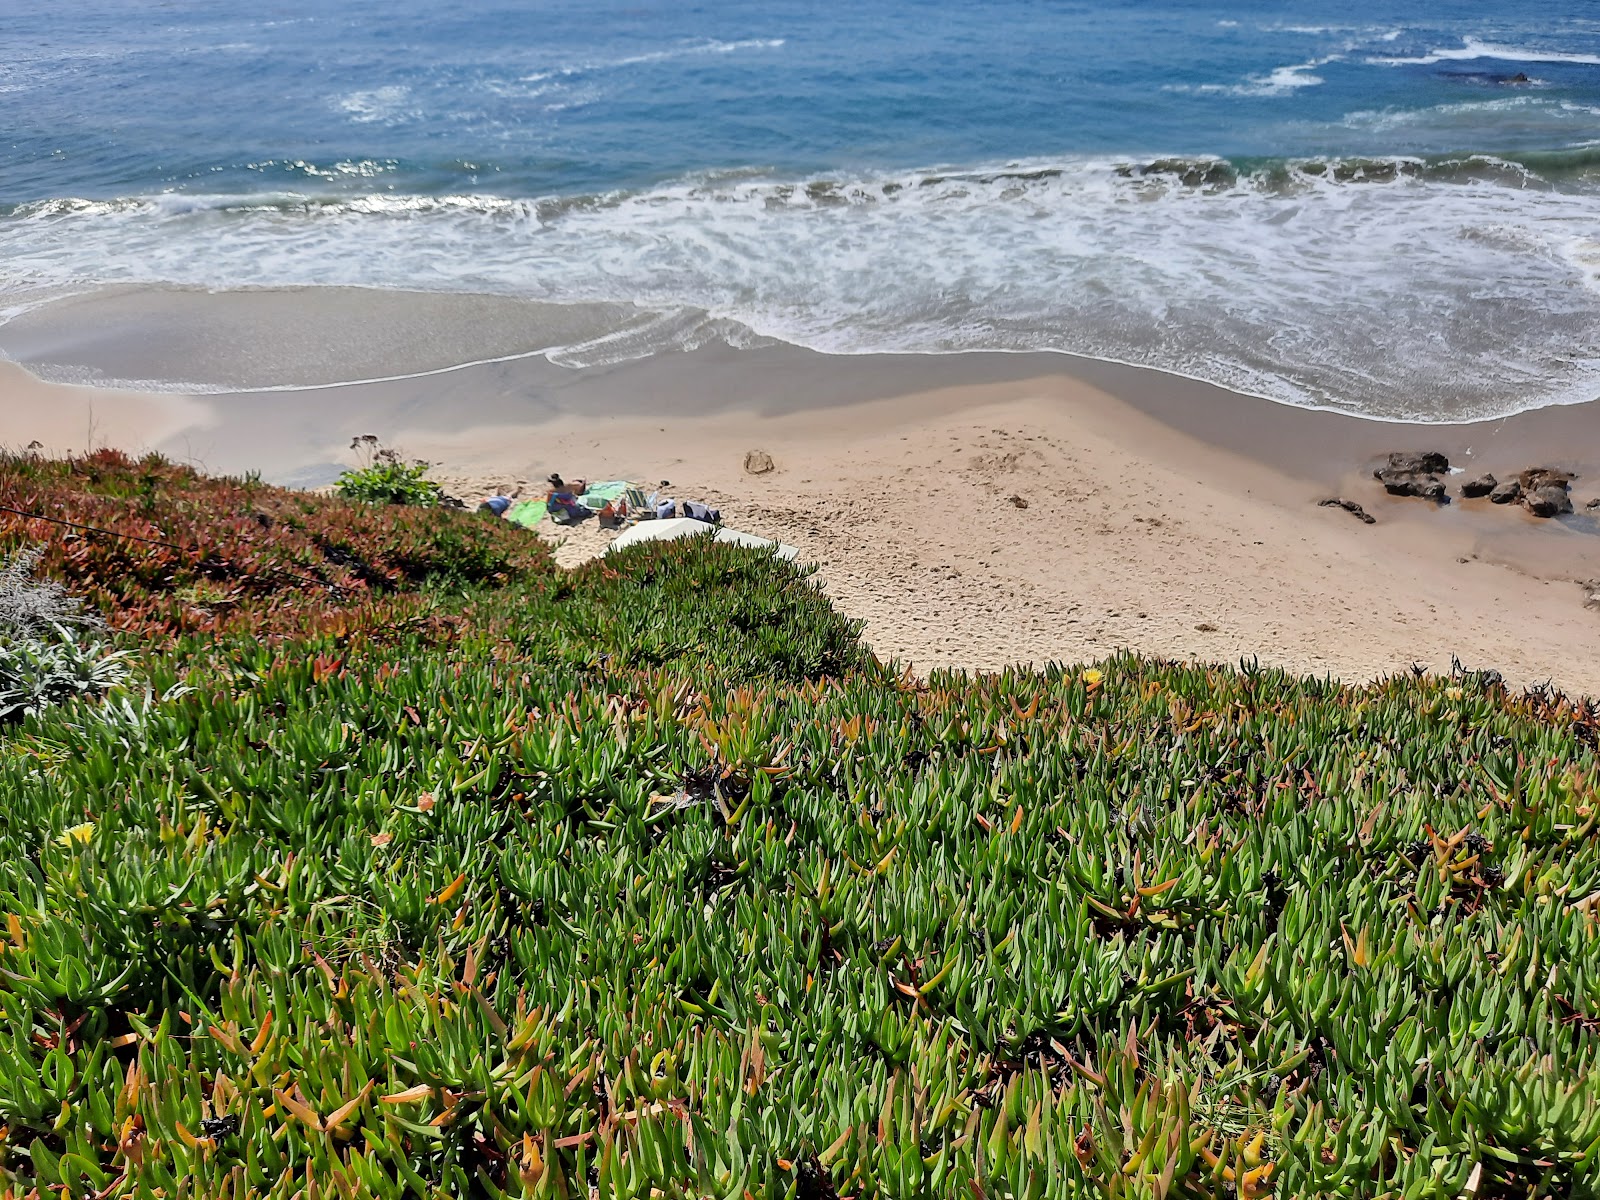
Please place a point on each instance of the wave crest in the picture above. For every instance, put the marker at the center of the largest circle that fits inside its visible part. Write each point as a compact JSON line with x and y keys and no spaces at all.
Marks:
{"x":1472,"y":50}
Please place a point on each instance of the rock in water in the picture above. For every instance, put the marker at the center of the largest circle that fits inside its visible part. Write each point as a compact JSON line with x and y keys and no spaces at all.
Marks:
{"x":757,"y":462}
{"x":1549,"y":501}
{"x":1481,"y":486}
{"x":1508,"y":492}
{"x":1409,"y":473}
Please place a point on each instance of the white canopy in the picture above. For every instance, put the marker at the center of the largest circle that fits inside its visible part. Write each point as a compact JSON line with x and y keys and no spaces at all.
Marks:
{"x":680,"y":527}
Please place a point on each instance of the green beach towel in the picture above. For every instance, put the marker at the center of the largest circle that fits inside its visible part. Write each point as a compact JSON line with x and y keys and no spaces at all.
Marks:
{"x":527,"y":513}
{"x":598,"y":495}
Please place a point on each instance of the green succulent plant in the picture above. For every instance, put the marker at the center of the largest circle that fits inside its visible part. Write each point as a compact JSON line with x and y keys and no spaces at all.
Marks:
{"x":649,"y":880}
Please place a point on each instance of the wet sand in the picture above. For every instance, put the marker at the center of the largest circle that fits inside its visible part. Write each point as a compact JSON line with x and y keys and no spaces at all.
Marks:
{"x":1150,"y":512}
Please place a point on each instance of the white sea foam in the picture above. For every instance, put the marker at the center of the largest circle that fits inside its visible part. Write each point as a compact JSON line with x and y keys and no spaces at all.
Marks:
{"x":1378,"y":32}
{"x":1472,"y":50}
{"x":689,"y":49}
{"x":1381,"y":287}
{"x":1281,"y":81}
{"x":1584,"y":254}
{"x":385,"y":104}
{"x":1469,"y":115}
{"x":710,"y":46}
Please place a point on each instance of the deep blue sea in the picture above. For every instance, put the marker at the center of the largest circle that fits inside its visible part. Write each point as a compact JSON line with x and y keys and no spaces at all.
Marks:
{"x":1390,"y":207}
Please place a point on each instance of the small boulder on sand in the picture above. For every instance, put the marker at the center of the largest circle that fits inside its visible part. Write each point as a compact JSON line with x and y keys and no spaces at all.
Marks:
{"x":1548,"y":501}
{"x":1545,"y":491}
{"x":757,"y":462}
{"x":1508,"y":492}
{"x":1417,"y":462}
{"x":1535,"y":478}
{"x":1481,"y":486}
{"x":1410,"y":473}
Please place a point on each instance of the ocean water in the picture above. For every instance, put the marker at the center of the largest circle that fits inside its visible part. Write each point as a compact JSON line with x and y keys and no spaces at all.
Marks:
{"x":1389,"y":208}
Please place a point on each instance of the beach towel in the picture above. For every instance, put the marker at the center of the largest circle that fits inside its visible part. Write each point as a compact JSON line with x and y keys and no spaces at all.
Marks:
{"x":527,"y":513}
{"x":598,"y":495}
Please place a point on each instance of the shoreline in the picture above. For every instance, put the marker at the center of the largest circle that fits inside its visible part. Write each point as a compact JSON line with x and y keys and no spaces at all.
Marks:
{"x":1163,"y":515}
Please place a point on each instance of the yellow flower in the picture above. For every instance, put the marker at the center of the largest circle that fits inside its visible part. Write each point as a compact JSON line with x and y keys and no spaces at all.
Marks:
{"x":78,"y":833}
{"x":1093,"y":677}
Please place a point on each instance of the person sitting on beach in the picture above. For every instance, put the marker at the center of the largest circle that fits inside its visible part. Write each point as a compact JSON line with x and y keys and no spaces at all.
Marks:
{"x":561,"y":502}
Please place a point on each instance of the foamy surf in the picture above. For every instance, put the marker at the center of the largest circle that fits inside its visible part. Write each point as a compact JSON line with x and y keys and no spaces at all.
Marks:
{"x":1472,"y":50}
{"x":1396,"y":288}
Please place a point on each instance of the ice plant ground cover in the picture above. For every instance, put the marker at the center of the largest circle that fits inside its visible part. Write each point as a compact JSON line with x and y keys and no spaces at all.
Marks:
{"x":486,"y":878}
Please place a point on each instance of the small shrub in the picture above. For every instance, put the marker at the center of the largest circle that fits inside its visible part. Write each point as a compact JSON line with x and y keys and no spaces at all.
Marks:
{"x":50,"y":650}
{"x":30,"y":607}
{"x":386,"y":478}
{"x":36,"y":673}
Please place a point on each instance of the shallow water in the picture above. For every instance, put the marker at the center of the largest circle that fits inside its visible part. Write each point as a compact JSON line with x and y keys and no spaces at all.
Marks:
{"x":1355,"y":206}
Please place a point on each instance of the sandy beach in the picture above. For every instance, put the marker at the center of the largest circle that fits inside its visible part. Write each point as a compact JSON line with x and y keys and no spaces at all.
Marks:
{"x":977,"y":510}
{"x":64,"y":419}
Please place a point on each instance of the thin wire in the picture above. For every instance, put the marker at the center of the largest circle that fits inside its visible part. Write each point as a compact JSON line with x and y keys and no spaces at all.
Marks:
{"x":133,"y":537}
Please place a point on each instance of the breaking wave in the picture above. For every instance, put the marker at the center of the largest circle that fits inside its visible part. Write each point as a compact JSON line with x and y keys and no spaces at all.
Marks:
{"x":1472,"y":50}
{"x":1407,"y":288}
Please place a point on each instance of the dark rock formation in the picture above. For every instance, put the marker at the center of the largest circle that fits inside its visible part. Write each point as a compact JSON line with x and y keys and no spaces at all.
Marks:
{"x":1424,"y":487}
{"x":1548,"y":501}
{"x":1350,"y":506}
{"x":1413,"y":462}
{"x":1409,"y":473}
{"x":1535,"y":478}
{"x":1508,"y":492}
{"x":1545,"y":491}
{"x":1481,"y":486}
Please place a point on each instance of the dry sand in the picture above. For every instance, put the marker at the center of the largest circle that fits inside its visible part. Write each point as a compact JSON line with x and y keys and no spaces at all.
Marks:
{"x":1151,"y":514}
{"x":1128,"y":535}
